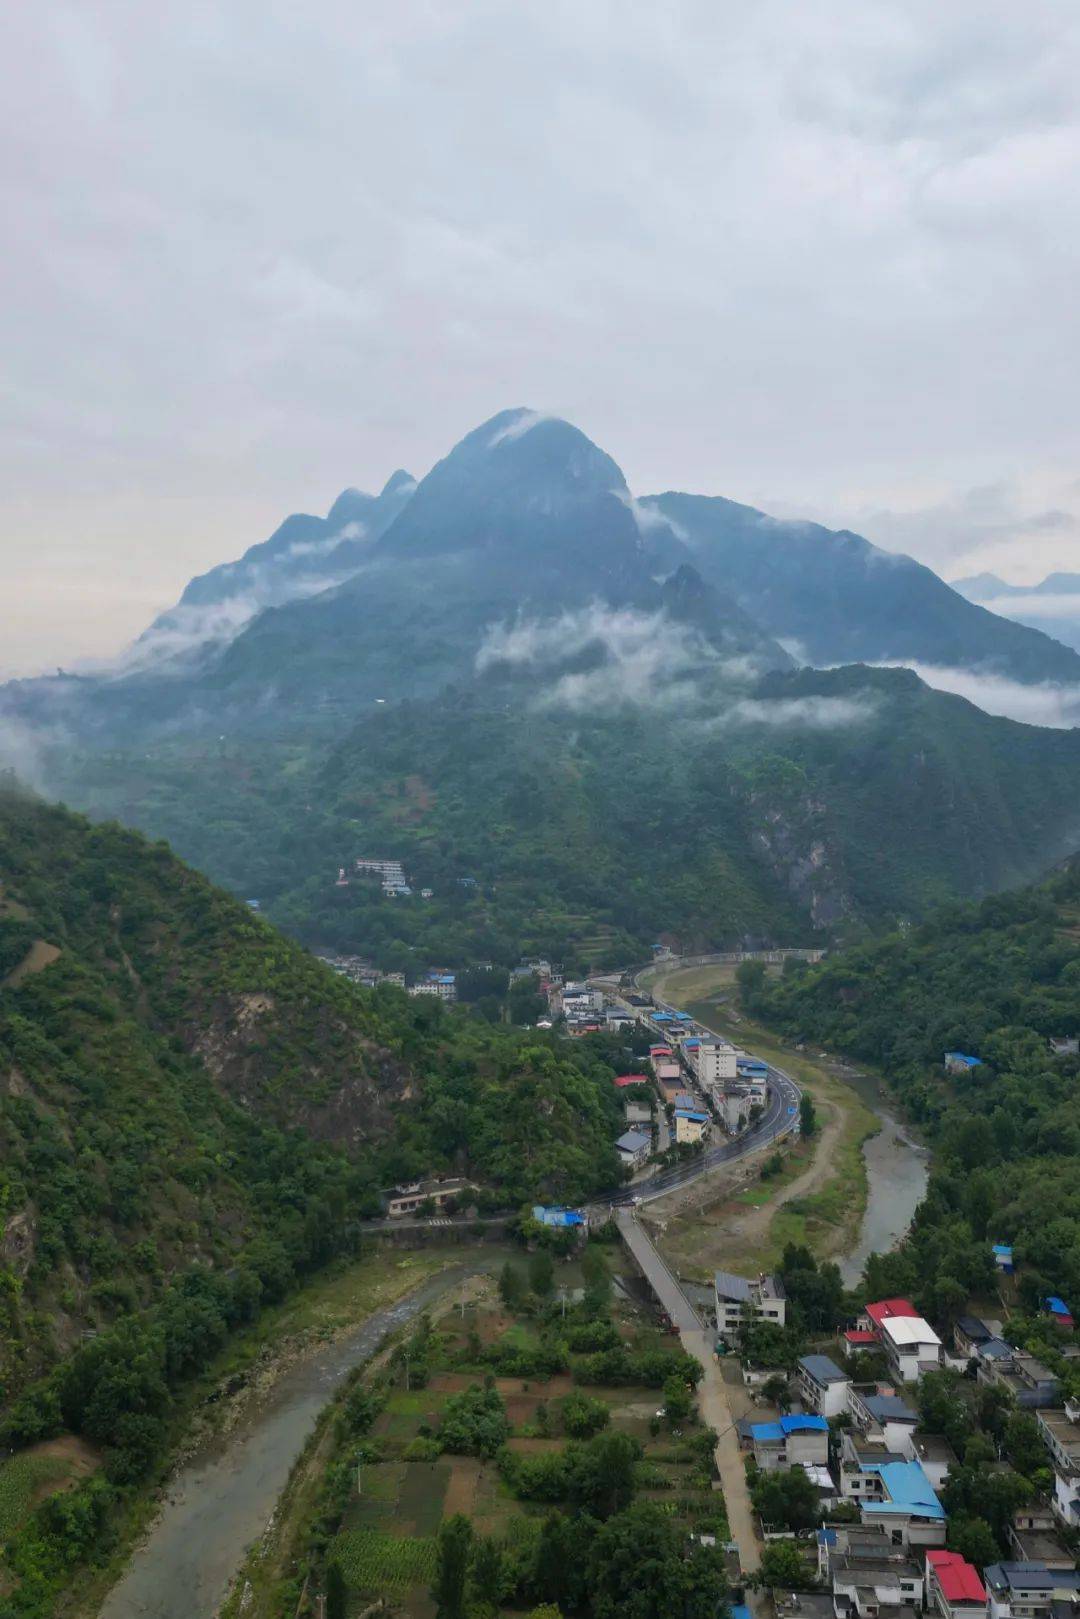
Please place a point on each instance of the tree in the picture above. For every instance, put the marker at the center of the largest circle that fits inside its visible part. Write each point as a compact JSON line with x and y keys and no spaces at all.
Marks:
{"x":601,"y":1473}
{"x":786,"y":1499}
{"x":511,"y":1286}
{"x":783,"y":1567}
{"x":474,"y":1423}
{"x":452,"y":1567}
{"x":336,"y":1592}
{"x":678,"y":1402}
{"x":1023,"y":1443}
{"x":542,"y":1273}
{"x":750,"y":977}
{"x":637,"y":1570}
{"x":974,"y":1539}
{"x":807,"y":1114}
{"x":488,"y":1572}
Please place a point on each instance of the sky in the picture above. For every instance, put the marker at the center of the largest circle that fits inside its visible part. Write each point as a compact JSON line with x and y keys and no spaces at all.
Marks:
{"x":819,"y":258}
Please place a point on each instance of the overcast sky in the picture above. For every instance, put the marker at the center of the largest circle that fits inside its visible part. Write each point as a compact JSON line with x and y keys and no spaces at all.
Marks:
{"x":822,"y":257}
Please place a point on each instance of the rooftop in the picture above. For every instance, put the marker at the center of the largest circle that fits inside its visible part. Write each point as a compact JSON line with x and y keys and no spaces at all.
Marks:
{"x":908,"y":1330}
{"x":738,"y":1290}
{"x":958,"y":1579}
{"x":884,"y":1309}
{"x":823,"y":1370}
{"x":1030,"y":1577}
{"x":764,"y":1432}
{"x":908,"y":1490}
{"x":973,"y":1328}
{"x":633,"y":1141}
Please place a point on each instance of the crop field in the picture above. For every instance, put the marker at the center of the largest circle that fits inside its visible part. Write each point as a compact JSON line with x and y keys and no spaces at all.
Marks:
{"x":32,"y":1474}
{"x":403,"y":1490}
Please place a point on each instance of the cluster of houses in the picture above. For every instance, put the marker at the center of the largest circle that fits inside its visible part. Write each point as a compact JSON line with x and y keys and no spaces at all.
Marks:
{"x":389,"y":874}
{"x":892,"y":1559}
{"x":360,"y":971}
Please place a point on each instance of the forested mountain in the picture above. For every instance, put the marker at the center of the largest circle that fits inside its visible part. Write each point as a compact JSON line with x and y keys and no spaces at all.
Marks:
{"x":180,"y":1087}
{"x":548,"y":816}
{"x":996,"y":981}
{"x":1052,"y":605}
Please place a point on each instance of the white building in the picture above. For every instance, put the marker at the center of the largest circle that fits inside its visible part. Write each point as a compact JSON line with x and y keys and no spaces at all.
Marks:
{"x":713,"y":1060}
{"x":884,"y":1418}
{"x":911,"y":1346}
{"x":1028,"y":1590}
{"x":634,"y":1147}
{"x":764,"y":1298}
{"x":822,"y":1386}
{"x":1061,"y":1435}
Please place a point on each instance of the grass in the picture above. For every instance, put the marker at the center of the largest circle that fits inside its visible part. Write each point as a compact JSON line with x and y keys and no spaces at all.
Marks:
{"x":23,"y":1480}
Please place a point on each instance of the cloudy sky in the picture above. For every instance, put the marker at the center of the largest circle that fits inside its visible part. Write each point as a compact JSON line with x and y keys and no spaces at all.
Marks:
{"x":821,"y":257}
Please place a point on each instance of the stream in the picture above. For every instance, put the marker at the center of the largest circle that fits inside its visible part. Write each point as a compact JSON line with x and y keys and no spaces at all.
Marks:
{"x":897,"y":1168}
{"x":221,"y":1500}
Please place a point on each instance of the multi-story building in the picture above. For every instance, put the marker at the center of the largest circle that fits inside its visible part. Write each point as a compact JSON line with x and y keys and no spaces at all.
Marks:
{"x":953,"y":1586}
{"x":822,"y":1386}
{"x":791,"y":1441}
{"x":736,"y":1298}
{"x":911,"y":1346}
{"x":1028,"y":1590}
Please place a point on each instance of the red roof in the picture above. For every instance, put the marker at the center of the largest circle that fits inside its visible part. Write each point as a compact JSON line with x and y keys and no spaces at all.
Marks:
{"x":861,"y":1335}
{"x":660,"y":1051}
{"x":884,"y":1309}
{"x":631,"y":1079}
{"x":959,"y":1581}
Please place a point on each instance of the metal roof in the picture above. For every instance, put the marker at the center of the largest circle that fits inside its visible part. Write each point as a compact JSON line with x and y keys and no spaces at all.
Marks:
{"x":823,"y":1370}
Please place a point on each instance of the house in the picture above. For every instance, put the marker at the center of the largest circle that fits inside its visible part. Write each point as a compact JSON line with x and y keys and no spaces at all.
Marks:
{"x":866,"y":1587}
{"x":667,"y":1069}
{"x":1040,"y":1544}
{"x":1028,"y":1590}
{"x":842,"y":1548}
{"x":764,"y":1297}
{"x":882,"y":1417}
{"x":822,"y":1386}
{"x":683,"y":1099}
{"x":442,"y":985}
{"x":634,"y":1148}
{"x":934,"y":1455}
{"x":409,"y":1199}
{"x":859,"y":1340}
{"x":713,"y":1061}
{"x":658,"y":1052}
{"x":1058,"y":1311}
{"x":560,"y":1219}
{"x":754,"y":1072}
{"x":905,"y":1503}
{"x":1061,"y":1435}
{"x":690,"y":1127}
{"x":1067,"y":1046}
{"x":911,"y":1346}
{"x":968,"y":1333}
{"x":623,"y":1081}
{"x":953,"y":1586}
{"x":638,"y":1115}
{"x":958,"y":1062}
{"x":795,"y":1441}
{"x":858,"y":1456}
{"x":1031,"y":1384}
{"x":1003,"y":1257}
{"x":733,"y":1104}
{"x":874,"y":1314}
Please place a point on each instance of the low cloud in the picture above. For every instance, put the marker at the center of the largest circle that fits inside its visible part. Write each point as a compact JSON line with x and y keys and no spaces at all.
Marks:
{"x":1033,"y":605}
{"x":799,"y":713}
{"x":522,"y":424}
{"x":1056,"y":706}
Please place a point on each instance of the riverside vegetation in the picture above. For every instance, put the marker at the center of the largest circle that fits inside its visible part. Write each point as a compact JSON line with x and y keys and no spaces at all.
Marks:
{"x":194,"y":1114}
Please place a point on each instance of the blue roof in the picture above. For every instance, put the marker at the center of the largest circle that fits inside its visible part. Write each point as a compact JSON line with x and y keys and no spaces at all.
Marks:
{"x":661,"y":1017}
{"x":1058,"y":1306}
{"x":690,"y":1044}
{"x":739,"y":1610}
{"x":907,"y":1487}
{"x":557,"y":1216}
{"x":962,"y":1056}
{"x":889,"y":1408}
{"x":685,"y":1113}
{"x":682,"y":1017}
{"x":786,"y":1425}
{"x":826,"y":1537}
{"x":1004,"y":1249}
{"x":753,"y":1065}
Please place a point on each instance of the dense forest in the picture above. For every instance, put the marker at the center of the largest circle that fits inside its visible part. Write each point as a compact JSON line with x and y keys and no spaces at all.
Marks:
{"x":996,"y":981}
{"x":825,"y":801}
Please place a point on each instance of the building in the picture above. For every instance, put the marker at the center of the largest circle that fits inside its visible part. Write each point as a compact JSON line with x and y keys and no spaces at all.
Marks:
{"x":874,"y":1579}
{"x":1061,"y":1435}
{"x":859,"y":1340}
{"x":911,"y":1346}
{"x":691,"y":1128}
{"x":958,"y":1062}
{"x":874,"y":1314}
{"x":1035,"y":1541}
{"x":560,"y":1219}
{"x":1032,"y":1385}
{"x":734,"y":1104}
{"x":953,"y":1586}
{"x":844,"y":1547}
{"x":1028,"y":1590}
{"x":968,"y":1333}
{"x":754,"y":1072}
{"x":736,"y":1298}
{"x":1067,"y":1046}
{"x":883,"y":1418}
{"x":442,"y":985}
{"x":934,"y":1455}
{"x":634,"y":1148}
{"x":684,"y":1100}
{"x":822,"y":1386}
{"x":797,"y":1441}
{"x":413,"y":1198}
{"x":625,"y":1080}
{"x":713,"y":1061}
{"x":1003,"y":1257}
{"x":667,"y":1069}
{"x":904,"y":1502}
{"x":638,"y":1115}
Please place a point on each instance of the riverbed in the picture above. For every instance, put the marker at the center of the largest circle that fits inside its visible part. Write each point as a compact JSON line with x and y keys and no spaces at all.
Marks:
{"x":897,"y":1168}
{"x":222,"y":1499}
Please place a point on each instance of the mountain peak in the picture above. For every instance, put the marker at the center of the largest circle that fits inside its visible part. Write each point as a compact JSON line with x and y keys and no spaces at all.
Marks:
{"x":398,"y":483}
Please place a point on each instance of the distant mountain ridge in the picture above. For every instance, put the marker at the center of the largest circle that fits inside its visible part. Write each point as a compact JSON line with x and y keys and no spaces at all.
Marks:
{"x":1053,"y":605}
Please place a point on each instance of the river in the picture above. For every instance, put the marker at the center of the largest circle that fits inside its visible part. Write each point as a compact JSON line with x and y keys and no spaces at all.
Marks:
{"x":223,"y":1498}
{"x":897,"y":1168}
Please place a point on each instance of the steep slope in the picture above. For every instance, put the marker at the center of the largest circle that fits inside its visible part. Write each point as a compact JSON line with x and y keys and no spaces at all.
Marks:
{"x":182,"y":1087}
{"x":838,"y":599}
{"x":304,"y":556}
{"x":1052,"y":606}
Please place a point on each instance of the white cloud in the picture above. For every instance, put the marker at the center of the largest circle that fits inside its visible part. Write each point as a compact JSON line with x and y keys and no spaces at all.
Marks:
{"x":1028,"y":606}
{"x":800,"y":713}
{"x":1046,"y":704}
{"x":523,"y":423}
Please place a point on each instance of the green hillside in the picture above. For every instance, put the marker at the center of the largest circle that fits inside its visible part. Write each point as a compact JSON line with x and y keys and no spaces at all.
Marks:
{"x":996,"y":981}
